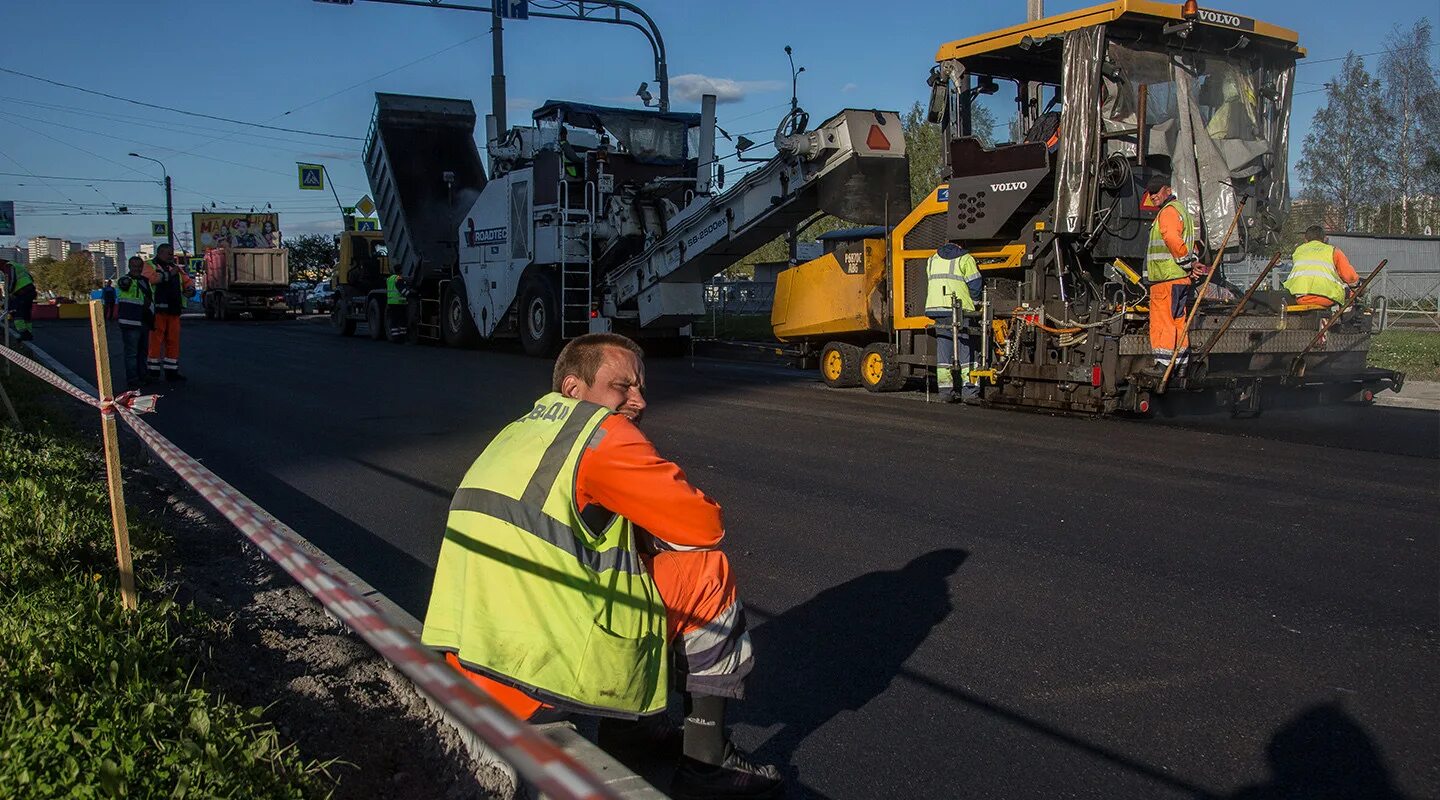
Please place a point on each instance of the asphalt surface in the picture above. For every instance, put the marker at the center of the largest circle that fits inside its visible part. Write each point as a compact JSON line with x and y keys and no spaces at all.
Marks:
{"x":945,"y":602}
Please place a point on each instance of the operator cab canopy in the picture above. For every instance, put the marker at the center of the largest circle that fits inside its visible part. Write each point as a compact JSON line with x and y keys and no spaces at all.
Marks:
{"x":648,"y":137}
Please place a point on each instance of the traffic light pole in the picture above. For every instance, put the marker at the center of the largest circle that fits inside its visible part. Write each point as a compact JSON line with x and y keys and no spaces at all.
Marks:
{"x":497,"y":76}
{"x":169,"y":214}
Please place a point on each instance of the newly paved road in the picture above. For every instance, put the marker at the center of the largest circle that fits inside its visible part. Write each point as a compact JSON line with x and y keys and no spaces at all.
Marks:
{"x":946,"y":602}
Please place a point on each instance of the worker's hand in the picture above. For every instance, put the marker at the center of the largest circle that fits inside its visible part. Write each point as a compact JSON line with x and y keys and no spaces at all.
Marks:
{"x":1187,"y":262}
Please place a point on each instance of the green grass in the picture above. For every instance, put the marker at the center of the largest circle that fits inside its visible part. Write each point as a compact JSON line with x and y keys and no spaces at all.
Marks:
{"x":1416,"y":353}
{"x":738,"y":327}
{"x":97,"y":701}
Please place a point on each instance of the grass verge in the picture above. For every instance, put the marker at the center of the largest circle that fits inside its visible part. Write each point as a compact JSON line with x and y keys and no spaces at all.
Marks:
{"x":1416,"y":353}
{"x":99,"y":702}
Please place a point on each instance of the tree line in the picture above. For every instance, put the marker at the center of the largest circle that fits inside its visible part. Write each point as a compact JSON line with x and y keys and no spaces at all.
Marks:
{"x":1371,"y":161}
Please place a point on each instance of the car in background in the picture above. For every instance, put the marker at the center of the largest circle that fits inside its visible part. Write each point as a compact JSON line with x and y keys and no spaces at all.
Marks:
{"x":320,"y":300}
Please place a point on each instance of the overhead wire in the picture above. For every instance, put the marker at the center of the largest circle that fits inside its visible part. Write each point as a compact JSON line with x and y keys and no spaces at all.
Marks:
{"x":172,"y":109}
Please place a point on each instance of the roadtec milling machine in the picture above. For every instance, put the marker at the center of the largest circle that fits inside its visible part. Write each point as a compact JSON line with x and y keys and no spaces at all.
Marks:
{"x":593,"y":218}
{"x":1107,"y":96}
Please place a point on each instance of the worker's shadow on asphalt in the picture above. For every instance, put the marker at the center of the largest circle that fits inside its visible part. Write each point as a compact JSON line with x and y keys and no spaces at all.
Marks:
{"x":1323,"y":753}
{"x":842,"y":648}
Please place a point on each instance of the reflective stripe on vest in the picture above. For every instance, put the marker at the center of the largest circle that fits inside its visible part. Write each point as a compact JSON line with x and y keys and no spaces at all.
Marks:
{"x":947,"y":278}
{"x":392,"y":291}
{"x":527,"y":593}
{"x":1160,"y":265}
{"x":1314,"y":272}
{"x":131,"y":304}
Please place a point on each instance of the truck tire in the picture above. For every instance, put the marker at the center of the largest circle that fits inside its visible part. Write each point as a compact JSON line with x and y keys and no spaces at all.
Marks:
{"x":539,"y":316}
{"x":880,"y":368}
{"x":840,"y":365}
{"x":339,"y":317}
{"x":375,"y":319}
{"x":457,"y":327}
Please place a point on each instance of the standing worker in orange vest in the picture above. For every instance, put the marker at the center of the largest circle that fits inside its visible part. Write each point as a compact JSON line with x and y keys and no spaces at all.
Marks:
{"x":172,"y":288}
{"x":1320,"y":273}
{"x":577,"y":562}
{"x":1169,"y":262}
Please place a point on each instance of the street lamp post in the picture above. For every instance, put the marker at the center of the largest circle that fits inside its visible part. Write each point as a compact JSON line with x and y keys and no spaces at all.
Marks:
{"x":169,"y":203}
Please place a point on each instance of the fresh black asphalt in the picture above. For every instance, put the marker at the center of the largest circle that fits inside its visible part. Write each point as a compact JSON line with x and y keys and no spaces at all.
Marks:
{"x":945,"y":602}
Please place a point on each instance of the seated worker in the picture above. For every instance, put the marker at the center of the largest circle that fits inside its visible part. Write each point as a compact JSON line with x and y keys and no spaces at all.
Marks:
{"x":576,"y":558}
{"x":1321,"y":272}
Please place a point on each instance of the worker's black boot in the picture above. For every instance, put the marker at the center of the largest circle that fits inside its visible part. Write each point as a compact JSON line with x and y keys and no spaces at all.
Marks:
{"x":970,"y":395}
{"x":735,"y":776}
{"x":174,"y":376}
{"x":712,"y":766}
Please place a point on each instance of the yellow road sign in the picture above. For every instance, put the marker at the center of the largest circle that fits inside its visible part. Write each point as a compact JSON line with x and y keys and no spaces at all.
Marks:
{"x":366,"y":206}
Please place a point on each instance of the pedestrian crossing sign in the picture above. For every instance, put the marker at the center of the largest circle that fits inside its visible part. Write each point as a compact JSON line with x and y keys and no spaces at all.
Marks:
{"x":197,"y":264}
{"x":159,"y":229}
{"x":312,"y":176}
{"x":367,"y":224}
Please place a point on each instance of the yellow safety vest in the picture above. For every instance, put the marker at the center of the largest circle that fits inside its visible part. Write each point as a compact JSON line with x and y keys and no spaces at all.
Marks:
{"x":1160,"y":265}
{"x":22,"y":277}
{"x":1314,"y":272}
{"x":393,"y":296}
{"x":948,"y":277}
{"x":526,"y":593}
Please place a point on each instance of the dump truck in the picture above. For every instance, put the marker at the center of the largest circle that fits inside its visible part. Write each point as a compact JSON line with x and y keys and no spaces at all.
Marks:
{"x":595,"y":218}
{"x":359,"y":283}
{"x":1106,"y":97}
{"x":240,"y":280}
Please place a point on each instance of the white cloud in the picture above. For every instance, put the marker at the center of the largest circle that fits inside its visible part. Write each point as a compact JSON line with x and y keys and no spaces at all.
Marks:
{"x":849,"y":87}
{"x":690,"y":86}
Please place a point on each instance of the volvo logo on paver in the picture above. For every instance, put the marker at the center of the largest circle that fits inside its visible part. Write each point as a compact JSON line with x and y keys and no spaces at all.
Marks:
{"x":1009,"y":187}
{"x":1227,"y":20}
{"x":704,"y":233}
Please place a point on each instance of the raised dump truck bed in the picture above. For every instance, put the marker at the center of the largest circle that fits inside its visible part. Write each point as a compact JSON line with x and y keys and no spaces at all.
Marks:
{"x":425,"y":171}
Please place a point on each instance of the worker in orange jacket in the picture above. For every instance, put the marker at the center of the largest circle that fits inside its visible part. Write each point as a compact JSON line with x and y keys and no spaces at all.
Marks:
{"x":172,"y":288}
{"x":678,"y":529}
{"x":1170,"y":260}
{"x":1321,"y":273}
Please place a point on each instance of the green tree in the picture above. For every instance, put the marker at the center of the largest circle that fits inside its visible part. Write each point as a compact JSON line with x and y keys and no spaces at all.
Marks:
{"x":73,"y":277}
{"x":312,"y":257}
{"x":925,"y":146}
{"x":1342,"y":163}
{"x":1413,"y":103}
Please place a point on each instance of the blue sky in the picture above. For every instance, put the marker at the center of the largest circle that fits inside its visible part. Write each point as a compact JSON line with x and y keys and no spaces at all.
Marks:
{"x":314,"y":66}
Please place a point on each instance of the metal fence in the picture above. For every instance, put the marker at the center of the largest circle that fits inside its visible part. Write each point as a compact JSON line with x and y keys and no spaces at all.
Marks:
{"x":1409,"y":299}
{"x":737,"y":310}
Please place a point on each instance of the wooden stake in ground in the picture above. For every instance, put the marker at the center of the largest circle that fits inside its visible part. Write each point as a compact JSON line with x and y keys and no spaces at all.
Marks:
{"x":112,"y":455}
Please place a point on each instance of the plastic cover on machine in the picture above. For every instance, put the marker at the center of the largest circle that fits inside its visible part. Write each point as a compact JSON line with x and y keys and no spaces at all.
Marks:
{"x":1084,"y":50}
{"x":1209,"y":116}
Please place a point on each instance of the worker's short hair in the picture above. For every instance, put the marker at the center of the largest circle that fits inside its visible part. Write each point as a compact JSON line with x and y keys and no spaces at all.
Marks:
{"x":165,"y":246}
{"x":1156,"y":183}
{"x":1314,"y":233}
{"x":583,"y":356}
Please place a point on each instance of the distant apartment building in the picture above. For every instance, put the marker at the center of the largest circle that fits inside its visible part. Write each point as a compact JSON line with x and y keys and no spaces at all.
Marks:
{"x":146,"y":251}
{"x":109,"y":257}
{"x":46,"y":247}
{"x":73,"y":247}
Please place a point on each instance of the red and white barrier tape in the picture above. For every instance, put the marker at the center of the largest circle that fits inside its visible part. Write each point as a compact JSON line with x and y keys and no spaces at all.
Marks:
{"x":534,"y":757}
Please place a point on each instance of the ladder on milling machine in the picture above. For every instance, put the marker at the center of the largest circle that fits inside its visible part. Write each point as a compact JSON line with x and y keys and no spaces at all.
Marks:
{"x":576,"y":276}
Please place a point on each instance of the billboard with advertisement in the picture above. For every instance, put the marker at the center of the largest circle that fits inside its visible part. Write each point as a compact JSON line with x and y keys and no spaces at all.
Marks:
{"x":235,"y":229}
